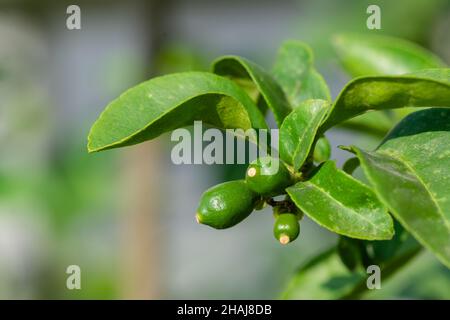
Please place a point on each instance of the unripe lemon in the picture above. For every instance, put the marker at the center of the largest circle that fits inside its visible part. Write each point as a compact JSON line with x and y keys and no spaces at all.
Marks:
{"x":268,"y":176}
{"x":226,"y":204}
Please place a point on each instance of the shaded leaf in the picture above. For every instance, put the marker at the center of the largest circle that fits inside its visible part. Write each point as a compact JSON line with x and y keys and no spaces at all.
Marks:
{"x":169,"y":102}
{"x":294,"y":70}
{"x":438,"y":74}
{"x":350,"y":252}
{"x":298,"y":131}
{"x":342,"y":204}
{"x":363,"y":54}
{"x":326,"y":277}
{"x":357,"y":253}
{"x":350,"y":165}
{"x":410,"y":172}
{"x":251,"y":76}
{"x":378,"y":252}
{"x":422,"y":89}
{"x":322,"y":150}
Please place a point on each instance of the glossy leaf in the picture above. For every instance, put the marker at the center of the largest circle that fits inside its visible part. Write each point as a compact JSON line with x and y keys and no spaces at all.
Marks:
{"x":363,"y":54}
{"x":294,"y":70}
{"x":169,"y":102}
{"x":356,"y":253}
{"x":242,"y":71}
{"x":342,"y":204}
{"x":424,"y":89}
{"x":410,"y":172}
{"x":439,"y":74}
{"x":298,"y":131}
{"x":350,"y":165}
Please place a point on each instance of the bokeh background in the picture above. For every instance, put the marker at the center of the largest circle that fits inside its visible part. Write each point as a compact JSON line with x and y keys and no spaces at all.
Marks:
{"x":126,"y":216}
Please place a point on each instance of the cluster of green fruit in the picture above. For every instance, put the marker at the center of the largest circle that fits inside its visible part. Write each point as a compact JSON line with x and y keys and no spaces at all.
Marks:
{"x":228,"y":203}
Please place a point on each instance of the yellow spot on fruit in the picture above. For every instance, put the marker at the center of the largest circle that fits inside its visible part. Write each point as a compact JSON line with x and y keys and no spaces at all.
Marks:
{"x":284,"y":239}
{"x":251,"y":172}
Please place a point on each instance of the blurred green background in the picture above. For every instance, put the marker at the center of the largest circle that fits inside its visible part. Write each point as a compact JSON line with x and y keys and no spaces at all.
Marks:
{"x":126,"y":216}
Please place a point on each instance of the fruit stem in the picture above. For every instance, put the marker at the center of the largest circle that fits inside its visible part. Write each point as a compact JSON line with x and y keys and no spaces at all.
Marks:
{"x":296,"y":176}
{"x":288,"y":205}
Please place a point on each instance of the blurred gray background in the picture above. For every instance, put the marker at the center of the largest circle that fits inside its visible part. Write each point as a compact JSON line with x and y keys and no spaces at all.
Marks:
{"x":126,"y":216}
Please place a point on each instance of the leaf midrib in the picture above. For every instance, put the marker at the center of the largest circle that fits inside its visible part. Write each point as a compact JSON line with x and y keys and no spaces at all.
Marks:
{"x":309,"y":125}
{"x":341,"y":204}
{"x":398,"y":157}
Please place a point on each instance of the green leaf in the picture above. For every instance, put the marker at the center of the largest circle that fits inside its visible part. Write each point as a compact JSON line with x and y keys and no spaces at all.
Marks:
{"x":326,"y":277}
{"x":364,"y":54}
{"x":378,"y":252}
{"x":342,"y":204}
{"x":322,"y":150}
{"x":351,"y":252}
{"x":377,"y":123}
{"x":410,"y":172}
{"x":242,"y":71}
{"x":294,"y":71}
{"x":422,"y":89}
{"x":350,"y":165}
{"x":169,"y":102}
{"x":298,"y":131}
{"x":440,"y":74}
{"x":380,"y":122}
{"x":357,"y":253}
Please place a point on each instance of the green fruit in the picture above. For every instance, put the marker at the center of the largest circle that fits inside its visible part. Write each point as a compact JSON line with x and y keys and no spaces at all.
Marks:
{"x":226,"y":204}
{"x":286,"y":228}
{"x":268,"y":176}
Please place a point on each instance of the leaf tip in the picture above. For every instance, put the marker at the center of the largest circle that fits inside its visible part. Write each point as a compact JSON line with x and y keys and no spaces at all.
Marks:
{"x":92,"y":147}
{"x":350,"y":149}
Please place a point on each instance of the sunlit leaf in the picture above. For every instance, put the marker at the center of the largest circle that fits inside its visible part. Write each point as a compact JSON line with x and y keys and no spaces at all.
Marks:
{"x":242,"y":71}
{"x":169,"y":102}
{"x":326,"y":277}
